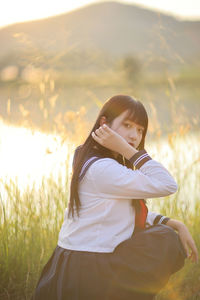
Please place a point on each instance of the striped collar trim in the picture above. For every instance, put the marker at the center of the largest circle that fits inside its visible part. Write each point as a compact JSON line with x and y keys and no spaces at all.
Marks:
{"x":86,"y":165}
{"x":140,"y":158}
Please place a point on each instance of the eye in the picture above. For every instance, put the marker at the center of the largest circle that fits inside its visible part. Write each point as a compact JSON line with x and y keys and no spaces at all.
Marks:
{"x":140,"y":130}
{"x":127,"y":125}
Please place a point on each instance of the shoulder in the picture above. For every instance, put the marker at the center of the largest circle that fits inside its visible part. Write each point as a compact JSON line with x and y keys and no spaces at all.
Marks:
{"x":106,"y":167}
{"x":103,"y":162}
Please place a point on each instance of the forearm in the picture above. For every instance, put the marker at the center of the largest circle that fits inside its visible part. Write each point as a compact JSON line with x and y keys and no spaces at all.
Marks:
{"x":127,"y":151}
{"x":186,"y":239}
{"x":175,"y":224}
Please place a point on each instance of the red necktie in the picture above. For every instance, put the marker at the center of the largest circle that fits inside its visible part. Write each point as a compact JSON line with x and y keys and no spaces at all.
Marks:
{"x":141,"y":215}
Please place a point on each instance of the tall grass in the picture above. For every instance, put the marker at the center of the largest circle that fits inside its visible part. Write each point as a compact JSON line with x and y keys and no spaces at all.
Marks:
{"x":29,"y":229}
{"x":182,"y":155}
{"x":31,"y":220}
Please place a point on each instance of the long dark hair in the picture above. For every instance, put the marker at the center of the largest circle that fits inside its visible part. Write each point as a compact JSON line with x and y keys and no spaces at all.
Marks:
{"x":112,"y":108}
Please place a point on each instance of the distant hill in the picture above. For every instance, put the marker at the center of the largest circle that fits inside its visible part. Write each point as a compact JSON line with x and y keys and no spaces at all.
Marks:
{"x":108,"y":29}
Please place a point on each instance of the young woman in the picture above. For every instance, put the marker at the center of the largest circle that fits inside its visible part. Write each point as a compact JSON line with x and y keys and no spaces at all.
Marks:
{"x":110,"y":246}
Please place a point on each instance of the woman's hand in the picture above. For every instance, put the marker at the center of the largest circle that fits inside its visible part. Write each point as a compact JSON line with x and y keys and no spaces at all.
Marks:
{"x":186,"y":239}
{"x":110,"y":139}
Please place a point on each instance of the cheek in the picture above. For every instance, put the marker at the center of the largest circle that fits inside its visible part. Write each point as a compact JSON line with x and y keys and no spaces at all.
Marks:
{"x":123,"y":132}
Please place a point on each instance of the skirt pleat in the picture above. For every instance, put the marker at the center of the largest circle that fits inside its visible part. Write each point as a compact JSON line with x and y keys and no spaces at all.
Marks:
{"x":145,"y":262}
{"x":137,"y":269}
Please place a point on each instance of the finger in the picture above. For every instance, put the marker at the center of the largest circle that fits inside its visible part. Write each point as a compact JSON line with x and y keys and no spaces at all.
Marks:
{"x":106,"y":128}
{"x":102,"y":130}
{"x":96,"y":138}
{"x":196,"y":257}
{"x":186,"y":249}
{"x":193,"y":257}
{"x":194,"y":254}
{"x":192,"y":245}
{"x":99,"y":132}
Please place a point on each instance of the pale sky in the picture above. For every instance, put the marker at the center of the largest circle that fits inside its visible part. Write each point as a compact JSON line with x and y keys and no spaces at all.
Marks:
{"x":13,"y":11}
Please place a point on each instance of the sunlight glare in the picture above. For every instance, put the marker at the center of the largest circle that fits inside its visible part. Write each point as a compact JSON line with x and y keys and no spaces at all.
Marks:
{"x":28,"y":156}
{"x":21,"y":10}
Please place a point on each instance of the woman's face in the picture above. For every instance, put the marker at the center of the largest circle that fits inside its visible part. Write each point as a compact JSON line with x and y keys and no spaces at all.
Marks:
{"x":129,"y":130}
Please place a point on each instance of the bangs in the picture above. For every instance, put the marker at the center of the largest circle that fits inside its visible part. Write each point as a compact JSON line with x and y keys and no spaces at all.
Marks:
{"x":138,"y":115}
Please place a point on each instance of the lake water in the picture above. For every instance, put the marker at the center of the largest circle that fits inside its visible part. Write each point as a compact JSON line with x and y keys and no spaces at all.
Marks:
{"x":27,"y":156}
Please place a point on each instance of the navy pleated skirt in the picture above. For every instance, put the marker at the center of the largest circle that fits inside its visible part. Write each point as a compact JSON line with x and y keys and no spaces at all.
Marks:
{"x":137,"y":269}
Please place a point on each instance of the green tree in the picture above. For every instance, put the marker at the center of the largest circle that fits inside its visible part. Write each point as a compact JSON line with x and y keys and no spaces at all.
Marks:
{"x":132,"y":68}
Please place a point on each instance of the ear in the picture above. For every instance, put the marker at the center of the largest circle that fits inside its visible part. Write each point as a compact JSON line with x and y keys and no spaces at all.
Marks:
{"x":102,"y":120}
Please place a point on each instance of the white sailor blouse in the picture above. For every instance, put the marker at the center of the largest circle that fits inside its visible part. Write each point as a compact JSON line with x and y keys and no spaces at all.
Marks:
{"x":106,"y":216}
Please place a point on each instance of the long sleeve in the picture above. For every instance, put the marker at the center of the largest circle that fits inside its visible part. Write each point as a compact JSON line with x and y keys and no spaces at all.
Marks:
{"x":154,"y":218}
{"x":115,"y":181}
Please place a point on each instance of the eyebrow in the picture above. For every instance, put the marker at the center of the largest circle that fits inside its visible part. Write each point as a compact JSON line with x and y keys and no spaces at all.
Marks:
{"x":125,"y":120}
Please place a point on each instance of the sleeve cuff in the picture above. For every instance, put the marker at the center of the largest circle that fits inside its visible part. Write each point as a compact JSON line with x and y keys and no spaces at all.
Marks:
{"x":140,"y":158}
{"x":160,"y":220}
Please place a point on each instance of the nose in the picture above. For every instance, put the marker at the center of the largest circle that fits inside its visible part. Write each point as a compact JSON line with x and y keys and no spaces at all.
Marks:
{"x":133,"y":134}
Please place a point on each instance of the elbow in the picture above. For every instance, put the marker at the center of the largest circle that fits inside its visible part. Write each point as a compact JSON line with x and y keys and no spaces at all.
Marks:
{"x":174,"y":188}
{"x":162,"y":189}
{"x":171,"y":188}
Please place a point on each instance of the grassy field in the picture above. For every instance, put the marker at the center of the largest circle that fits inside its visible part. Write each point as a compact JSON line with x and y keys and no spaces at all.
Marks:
{"x":61,"y":95}
{"x":182,"y":155}
{"x":31,"y":219}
